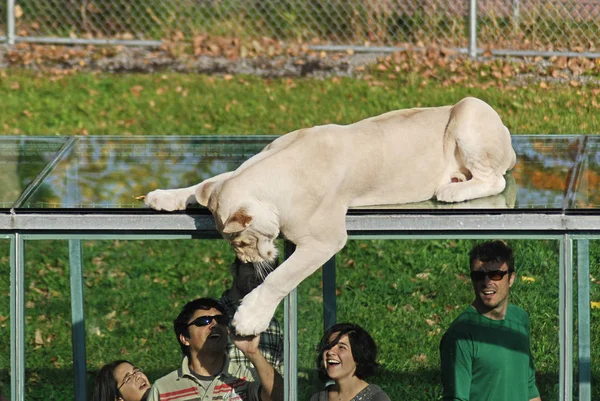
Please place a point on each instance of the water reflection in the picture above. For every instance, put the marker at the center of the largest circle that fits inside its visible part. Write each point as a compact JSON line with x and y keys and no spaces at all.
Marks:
{"x":543,"y":169}
{"x":587,"y":195}
{"x":21,"y":160}
{"x":109,"y":172}
{"x":102,"y":172}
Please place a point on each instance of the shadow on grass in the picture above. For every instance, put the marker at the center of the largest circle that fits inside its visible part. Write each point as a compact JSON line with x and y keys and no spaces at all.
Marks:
{"x":57,"y":384}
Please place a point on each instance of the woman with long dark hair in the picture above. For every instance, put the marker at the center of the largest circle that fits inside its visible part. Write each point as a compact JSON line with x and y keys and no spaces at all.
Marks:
{"x":121,"y":381}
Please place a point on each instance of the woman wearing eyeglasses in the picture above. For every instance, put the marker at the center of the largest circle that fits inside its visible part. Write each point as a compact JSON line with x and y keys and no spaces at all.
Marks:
{"x":121,"y":381}
{"x":347,"y":355}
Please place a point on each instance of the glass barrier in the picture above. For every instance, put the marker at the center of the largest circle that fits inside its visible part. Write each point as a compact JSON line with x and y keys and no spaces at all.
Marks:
{"x":109,"y":172}
{"x":22,"y":159}
{"x":5,"y":316}
{"x":406,"y":293}
{"x":587,"y":195}
{"x":587,"y":383}
{"x":133,"y":290}
{"x":595,"y":318}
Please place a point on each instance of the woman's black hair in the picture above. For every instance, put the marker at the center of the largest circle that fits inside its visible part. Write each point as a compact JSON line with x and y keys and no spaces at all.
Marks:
{"x":364,"y":349}
{"x":106,"y":387}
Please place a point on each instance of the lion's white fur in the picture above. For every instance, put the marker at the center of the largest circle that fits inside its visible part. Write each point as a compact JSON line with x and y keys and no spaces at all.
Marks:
{"x":302,"y":184}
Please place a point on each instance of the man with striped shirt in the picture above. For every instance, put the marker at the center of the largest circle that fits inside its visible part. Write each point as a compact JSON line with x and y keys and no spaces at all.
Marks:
{"x":207,"y":372}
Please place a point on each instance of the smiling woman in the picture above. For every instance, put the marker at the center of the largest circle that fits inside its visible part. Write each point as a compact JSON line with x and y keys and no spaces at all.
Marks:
{"x":347,"y":355}
{"x":121,"y":381}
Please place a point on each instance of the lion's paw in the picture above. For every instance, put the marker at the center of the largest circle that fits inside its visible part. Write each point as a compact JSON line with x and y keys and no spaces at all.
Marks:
{"x":167,"y":199}
{"x":453,"y":192}
{"x":253,"y":316}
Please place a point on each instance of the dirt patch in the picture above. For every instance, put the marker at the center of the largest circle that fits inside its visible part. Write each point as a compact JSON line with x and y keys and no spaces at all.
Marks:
{"x":271,"y":59}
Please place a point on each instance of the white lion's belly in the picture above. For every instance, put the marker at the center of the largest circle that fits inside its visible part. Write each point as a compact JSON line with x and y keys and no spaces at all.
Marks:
{"x":402,"y":188}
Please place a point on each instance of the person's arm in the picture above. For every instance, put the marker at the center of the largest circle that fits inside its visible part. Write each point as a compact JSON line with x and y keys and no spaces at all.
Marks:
{"x":271,"y":380}
{"x":456,"y":364}
{"x":534,"y":393}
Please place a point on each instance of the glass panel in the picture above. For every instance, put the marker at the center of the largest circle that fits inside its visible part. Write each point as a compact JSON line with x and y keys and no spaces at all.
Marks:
{"x":595,"y":317}
{"x":21,"y":160}
{"x":543,"y":170}
{"x":133,"y":290}
{"x":103,"y":172}
{"x":587,"y":195}
{"x":406,"y":293}
{"x":5,"y":316}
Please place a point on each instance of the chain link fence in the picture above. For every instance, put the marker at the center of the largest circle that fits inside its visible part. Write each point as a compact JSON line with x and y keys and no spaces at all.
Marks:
{"x":509,"y":26}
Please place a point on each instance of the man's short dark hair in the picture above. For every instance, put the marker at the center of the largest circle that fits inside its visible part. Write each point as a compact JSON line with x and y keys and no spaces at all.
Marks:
{"x":492,"y":251}
{"x":364,"y":349}
{"x":180,"y":325}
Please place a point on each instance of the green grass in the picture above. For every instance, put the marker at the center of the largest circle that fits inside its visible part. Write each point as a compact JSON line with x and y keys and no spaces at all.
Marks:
{"x":134,"y":289}
{"x":166,"y":104}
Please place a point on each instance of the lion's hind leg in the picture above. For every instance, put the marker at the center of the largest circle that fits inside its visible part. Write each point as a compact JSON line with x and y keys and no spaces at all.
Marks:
{"x":478,"y":147}
{"x":476,"y":187}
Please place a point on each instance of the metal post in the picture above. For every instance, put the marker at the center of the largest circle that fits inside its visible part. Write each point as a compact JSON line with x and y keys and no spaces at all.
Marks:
{"x":565,"y":317}
{"x":10,"y":21}
{"x":583,"y":319}
{"x":290,"y":362}
{"x":77,"y":319}
{"x":17,"y":318}
{"x":329,"y":296}
{"x":516,"y":6}
{"x":473,"y":28}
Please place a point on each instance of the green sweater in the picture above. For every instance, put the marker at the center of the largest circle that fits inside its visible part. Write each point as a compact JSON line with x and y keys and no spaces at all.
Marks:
{"x":488,"y":360}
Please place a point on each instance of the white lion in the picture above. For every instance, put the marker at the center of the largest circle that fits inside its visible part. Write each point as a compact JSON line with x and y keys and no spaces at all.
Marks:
{"x":302,"y":184}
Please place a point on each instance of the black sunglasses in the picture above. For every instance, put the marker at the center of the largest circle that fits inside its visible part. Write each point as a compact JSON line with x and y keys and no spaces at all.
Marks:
{"x":494,"y":275}
{"x":205,"y":320}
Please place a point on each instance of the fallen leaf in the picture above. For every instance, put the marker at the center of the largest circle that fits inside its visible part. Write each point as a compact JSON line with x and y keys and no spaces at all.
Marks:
{"x":595,"y":305}
{"x":423,"y":276}
{"x":528,"y":279}
{"x":18,"y":11}
{"x":434,"y":332}
{"x":136,"y":90}
{"x":419,"y":358}
{"x":38,"y":337}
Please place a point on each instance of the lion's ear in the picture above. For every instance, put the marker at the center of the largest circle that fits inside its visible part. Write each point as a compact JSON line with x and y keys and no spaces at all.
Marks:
{"x":237,"y":222}
{"x":203,"y":192}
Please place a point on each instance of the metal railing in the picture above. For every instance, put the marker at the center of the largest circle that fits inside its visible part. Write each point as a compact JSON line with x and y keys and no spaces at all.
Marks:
{"x":502,"y":27}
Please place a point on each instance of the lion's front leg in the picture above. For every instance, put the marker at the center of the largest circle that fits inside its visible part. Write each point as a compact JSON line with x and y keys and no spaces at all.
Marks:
{"x":258,"y":307}
{"x":172,"y":199}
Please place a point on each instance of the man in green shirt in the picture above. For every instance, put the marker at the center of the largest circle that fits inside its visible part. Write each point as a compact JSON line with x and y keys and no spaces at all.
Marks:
{"x":485,"y":354}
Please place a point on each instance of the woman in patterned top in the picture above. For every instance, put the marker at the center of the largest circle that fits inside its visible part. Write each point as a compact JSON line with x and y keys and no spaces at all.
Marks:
{"x":347,"y":355}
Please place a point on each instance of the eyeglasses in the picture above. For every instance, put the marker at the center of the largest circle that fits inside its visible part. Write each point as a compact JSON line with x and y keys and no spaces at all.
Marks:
{"x":494,"y":275}
{"x":129,"y":377}
{"x":205,"y":320}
